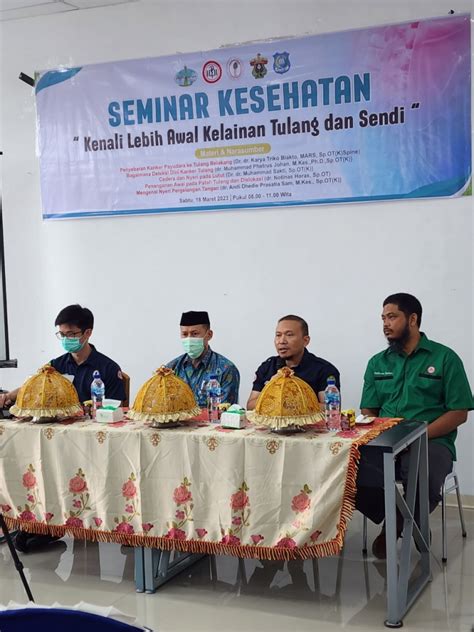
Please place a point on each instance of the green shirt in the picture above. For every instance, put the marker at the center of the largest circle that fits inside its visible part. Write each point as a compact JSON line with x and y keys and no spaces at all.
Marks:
{"x":423,"y":385}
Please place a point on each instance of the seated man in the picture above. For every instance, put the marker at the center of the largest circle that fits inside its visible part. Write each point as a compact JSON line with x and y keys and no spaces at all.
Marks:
{"x":414,"y":378}
{"x":291,"y":340}
{"x":199,"y":361}
{"x":75,"y":324}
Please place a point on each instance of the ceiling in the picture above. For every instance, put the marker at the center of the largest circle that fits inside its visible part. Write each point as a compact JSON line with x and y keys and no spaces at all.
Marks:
{"x":18,"y":9}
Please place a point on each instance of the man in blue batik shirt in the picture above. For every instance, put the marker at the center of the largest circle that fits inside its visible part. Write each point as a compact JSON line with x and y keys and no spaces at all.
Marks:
{"x":200,"y":362}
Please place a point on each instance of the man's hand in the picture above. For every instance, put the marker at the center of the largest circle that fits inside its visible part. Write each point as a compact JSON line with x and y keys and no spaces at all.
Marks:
{"x":7,"y":399}
{"x":446,"y":423}
{"x":252,"y":400}
{"x":370,"y":412}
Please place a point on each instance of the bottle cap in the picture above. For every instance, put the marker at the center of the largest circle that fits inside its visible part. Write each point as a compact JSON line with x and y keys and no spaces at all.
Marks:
{"x":96,"y":375}
{"x":331,"y":379}
{"x":213,"y":376}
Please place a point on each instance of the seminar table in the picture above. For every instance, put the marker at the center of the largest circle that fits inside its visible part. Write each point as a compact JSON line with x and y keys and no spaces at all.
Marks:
{"x":197,"y":489}
{"x":401,"y":591}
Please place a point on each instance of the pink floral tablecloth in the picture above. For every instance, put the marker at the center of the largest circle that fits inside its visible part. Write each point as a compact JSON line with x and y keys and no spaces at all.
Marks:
{"x":200,"y":488}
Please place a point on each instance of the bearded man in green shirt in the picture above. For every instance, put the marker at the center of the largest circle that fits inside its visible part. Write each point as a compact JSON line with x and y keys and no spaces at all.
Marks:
{"x":415,"y":378}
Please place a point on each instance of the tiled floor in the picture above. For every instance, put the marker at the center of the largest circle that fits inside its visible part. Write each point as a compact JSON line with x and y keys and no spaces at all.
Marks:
{"x":351,"y":591}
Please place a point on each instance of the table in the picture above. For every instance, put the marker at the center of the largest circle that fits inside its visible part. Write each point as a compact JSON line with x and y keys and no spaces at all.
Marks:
{"x":412,"y":436}
{"x":194,"y":490}
{"x":153,"y":566}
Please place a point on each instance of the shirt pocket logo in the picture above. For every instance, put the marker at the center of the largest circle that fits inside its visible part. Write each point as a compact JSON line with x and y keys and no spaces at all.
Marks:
{"x":430,"y":376}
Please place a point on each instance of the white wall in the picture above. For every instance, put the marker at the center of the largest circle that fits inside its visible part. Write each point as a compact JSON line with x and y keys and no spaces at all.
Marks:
{"x":138,"y":274}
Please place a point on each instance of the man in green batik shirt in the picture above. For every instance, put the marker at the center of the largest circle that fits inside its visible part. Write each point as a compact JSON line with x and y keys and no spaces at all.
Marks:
{"x":415,"y":378}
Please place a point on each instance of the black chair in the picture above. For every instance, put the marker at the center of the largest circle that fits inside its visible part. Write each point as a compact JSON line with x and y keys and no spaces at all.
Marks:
{"x":59,"y":620}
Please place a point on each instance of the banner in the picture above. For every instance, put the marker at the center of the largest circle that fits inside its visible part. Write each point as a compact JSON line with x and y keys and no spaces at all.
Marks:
{"x":370,"y":114}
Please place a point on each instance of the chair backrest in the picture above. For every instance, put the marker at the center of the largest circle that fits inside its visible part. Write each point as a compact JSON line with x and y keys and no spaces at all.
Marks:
{"x":60,"y":619}
{"x":126,"y":386}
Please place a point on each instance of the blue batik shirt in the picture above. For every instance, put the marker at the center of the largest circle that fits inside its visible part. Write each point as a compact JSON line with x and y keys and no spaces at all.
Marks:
{"x":210,"y":363}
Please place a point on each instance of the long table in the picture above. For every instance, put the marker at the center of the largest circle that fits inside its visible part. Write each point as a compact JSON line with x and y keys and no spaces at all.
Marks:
{"x":404,"y":585}
{"x":197,"y":489}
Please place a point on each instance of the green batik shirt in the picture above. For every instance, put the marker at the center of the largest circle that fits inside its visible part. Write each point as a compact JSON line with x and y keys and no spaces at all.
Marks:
{"x":424,"y":385}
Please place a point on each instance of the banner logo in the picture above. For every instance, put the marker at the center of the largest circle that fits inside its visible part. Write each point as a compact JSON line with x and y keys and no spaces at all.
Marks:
{"x":258,"y":64}
{"x":211,"y":71}
{"x":185,"y":77}
{"x":281,"y":62}
{"x":234,"y":68}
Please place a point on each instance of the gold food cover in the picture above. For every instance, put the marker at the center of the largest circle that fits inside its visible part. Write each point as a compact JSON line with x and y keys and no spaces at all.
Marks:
{"x":286,"y":400}
{"x":165,"y":397}
{"x":47,"y":394}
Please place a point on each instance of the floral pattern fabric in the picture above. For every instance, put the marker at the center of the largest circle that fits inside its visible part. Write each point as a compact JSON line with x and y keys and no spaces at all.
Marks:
{"x":245,"y":492}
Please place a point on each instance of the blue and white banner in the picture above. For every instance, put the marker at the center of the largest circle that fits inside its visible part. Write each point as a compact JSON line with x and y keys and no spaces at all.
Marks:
{"x":369,"y":114}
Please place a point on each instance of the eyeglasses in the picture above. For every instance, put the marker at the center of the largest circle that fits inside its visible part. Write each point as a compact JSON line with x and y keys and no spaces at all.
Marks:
{"x":70,"y":334}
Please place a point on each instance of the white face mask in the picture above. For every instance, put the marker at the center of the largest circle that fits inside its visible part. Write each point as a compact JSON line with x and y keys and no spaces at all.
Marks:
{"x":193,"y":346}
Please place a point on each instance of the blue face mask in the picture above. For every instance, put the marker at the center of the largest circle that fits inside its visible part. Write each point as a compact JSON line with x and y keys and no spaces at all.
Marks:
{"x":72,"y":345}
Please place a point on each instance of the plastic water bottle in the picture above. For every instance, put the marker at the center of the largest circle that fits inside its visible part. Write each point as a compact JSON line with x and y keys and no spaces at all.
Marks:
{"x":97,"y":392}
{"x":332,"y":405}
{"x":214,"y":393}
